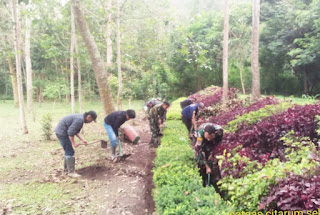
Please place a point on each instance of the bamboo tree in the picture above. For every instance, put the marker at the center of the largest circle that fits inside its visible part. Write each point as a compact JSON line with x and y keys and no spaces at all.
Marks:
{"x":225,"y":51}
{"x":17,"y":46}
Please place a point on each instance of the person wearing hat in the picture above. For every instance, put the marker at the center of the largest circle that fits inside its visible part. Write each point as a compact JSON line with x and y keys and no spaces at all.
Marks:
{"x":156,"y":118}
{"x":68,"y":127}
{"x":112,"y":123}
{"x":188,"y":115}
{"x":208,"y":137}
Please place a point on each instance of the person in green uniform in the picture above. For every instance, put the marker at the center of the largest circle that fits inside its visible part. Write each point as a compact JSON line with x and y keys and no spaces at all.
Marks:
{"x":156,"y":118}
{"x":208,"y":137}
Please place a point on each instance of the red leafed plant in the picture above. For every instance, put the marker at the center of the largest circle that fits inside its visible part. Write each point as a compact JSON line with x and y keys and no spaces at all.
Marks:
{"x":294,"y":193}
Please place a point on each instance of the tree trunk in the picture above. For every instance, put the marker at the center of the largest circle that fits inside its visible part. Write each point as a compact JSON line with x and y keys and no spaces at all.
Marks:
{"x":17,"y":46}
{"x":73,"y":35}
{"x":28,"y":64}
{"x":255,"y":50}
{"x":108,"y":34}
{"x":96,"y":60}
{"x":119,"y":57}
{"x":225,"y":51}
{"x":241,"y":77}
{"x":305,"y":82}
{"x":79,"y":74}
{"x":13,"y":76}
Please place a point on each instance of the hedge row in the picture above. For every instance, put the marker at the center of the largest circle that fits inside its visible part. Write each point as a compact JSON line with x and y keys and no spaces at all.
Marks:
{"x":178,"y":186}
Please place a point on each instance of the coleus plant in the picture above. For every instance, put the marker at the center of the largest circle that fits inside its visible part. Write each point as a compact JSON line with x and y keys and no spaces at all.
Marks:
{"x":262,"y":141}
{"x":294,"y":193}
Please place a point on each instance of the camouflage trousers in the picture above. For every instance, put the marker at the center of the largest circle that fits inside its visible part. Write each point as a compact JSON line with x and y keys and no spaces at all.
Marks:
{"x":155,"y":131}
{"x":154,"y":128}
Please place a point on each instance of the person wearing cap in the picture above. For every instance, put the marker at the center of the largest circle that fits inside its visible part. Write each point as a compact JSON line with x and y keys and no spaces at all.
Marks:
{"x":112,"y":123}
{"x":188,"y":115}
{"x":68,"y":127}
{"x":209,"y":136}
{"x":156,"y":118}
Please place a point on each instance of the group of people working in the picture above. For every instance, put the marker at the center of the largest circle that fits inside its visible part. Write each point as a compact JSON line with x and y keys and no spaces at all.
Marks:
{"x":205,"y":136}
{"x":71,"y":125}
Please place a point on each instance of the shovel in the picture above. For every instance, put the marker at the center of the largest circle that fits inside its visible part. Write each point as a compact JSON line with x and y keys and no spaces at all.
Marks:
{"x":121,"y":156}
{"x":103,"y":143}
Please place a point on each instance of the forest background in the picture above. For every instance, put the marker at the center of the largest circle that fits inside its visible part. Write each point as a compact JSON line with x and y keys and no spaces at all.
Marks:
{"x":168,"y":49}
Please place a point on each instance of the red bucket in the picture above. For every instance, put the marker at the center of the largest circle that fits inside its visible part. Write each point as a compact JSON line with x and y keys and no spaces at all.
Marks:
{"x":131,"y":134}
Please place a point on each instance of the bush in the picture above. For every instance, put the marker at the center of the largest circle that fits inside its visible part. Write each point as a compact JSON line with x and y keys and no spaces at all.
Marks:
{"x":46,"y":126}
{"x":178,"y":185}
{"x":254,"y":117}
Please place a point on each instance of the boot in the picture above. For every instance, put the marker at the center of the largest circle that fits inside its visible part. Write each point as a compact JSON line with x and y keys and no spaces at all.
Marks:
{"x":70,"y":165}
{"x":113,"y":152}
{"x":65,"y":169}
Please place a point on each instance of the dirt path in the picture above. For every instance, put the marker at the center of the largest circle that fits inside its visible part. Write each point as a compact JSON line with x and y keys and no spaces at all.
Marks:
{"x":124,"y":187}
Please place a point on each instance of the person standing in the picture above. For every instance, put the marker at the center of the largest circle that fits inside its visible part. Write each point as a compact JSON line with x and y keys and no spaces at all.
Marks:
{"x":156,"y":118}
{"x":68,"y":127}
{"x":112,"y":123}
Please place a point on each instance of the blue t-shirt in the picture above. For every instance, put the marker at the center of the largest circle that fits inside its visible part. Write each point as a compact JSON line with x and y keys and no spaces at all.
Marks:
{"x":187,"y":112}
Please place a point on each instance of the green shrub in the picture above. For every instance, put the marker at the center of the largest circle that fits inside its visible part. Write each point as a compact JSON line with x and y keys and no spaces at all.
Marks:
{"x":178,"y":185}
{"x":255,"y":116}
{"x":46,"y":126}
{"x":246,"y":192}
{"x":175,"y":109}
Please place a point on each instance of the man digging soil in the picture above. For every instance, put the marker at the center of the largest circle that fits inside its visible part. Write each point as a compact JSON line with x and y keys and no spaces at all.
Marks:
{"x":112,"y":123}
{"x":67,"y":128}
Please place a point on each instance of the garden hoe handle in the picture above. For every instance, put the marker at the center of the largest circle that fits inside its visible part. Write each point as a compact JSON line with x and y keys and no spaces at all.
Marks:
{"x":209,"y":180}
{"x":120,"y":151}
{"x":90,"y":142}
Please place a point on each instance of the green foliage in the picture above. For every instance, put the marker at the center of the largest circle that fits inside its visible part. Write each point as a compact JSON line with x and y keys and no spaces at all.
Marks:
{"x":178,"y":185}
{"x":246,"y":192}
{"x":55,"y":90}
{"x":174,"y":112}
{"x":254,"y":117}
{"x":46,"y":126}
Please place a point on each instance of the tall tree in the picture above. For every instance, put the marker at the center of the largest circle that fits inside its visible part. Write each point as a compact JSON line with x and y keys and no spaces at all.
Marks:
{"x":79,"y":75}
{"x":14,"y":83}
{"x":17,"y":46}
{"x":72,"y":47}
{"x":96,"y":60}
{"x":225,"y":51}
{"x":109,"y":32}
{"x":28,"y":61}
{"x":119,"y":56}
{"x":255,"y":49}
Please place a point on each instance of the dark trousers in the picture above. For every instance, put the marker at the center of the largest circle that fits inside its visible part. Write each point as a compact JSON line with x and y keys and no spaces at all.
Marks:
{"x":67,"y":146}
{"x":187,"y":122}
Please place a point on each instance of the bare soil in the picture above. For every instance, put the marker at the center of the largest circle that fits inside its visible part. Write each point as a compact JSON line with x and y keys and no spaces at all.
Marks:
{"x":104,"y":188}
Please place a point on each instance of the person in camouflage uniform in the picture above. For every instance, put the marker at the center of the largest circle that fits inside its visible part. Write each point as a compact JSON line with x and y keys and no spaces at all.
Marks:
{"x":208,"y":137}
{"x":157,"y":117}
{"x":150,"y":104}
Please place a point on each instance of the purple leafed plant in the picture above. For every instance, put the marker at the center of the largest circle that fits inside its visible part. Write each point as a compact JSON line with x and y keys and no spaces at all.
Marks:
{"x":224,"y":118}
{"x":212,"y":95}
{"x":295,"y":193}
{"x":261,"y":142}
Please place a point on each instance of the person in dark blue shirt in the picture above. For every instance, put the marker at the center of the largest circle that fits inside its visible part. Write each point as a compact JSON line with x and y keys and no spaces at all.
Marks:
{"x":189,"y":113}
{"x":112,"y":123}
